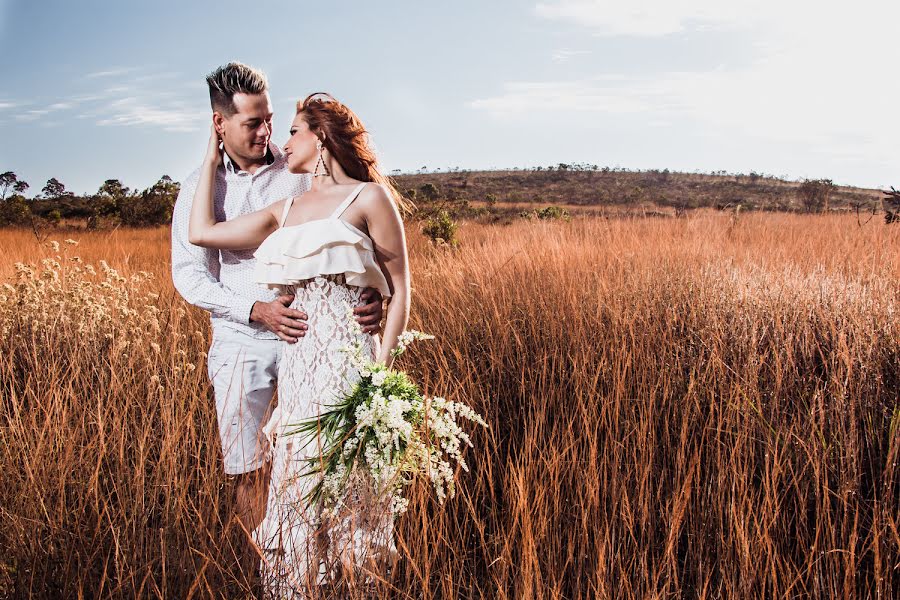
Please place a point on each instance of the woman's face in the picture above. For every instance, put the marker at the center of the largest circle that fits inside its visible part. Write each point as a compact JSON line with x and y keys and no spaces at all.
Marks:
{"x":300,"y":149}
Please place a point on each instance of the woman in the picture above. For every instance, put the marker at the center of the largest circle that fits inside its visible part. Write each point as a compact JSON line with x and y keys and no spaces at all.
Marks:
{"x":324,"y":247}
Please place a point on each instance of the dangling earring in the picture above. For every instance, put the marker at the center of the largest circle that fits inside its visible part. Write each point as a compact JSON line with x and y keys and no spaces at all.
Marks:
{"x":321,"y":161}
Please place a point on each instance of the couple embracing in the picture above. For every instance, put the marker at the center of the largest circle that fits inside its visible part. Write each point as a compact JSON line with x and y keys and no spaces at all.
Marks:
{"x":276,"y":244}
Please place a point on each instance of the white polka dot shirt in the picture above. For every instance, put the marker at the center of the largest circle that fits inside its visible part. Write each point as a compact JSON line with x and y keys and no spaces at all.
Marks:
{"x":221,"y":281}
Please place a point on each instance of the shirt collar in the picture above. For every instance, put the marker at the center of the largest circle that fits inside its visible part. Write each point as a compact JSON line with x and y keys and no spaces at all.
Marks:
{"x":273,"y":155}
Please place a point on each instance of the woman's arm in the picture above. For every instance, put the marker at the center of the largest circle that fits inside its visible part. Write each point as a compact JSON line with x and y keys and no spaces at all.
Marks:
{"x":246,"y":231}
{"x":386,"y":231}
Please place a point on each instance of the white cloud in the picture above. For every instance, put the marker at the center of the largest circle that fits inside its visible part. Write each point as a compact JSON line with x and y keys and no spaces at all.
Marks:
{"x":822,"y":77}
{"x":123,"y":99}
{"x":36,"y":113}
{"x":649,"y":17}
{"x":111,"y":72}
{"x":126,"y":99}
{"x":616,"y":95}
{"x":118,"y":89}
{"x":156,"y":77}
{"x":88,"y":98}
{"x":564,"y":54}
{"x":31,"y":115}
{"x":170,"y":115}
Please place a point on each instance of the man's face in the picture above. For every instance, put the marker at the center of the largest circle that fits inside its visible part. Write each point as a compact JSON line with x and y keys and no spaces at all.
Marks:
{"x":246,"y":133}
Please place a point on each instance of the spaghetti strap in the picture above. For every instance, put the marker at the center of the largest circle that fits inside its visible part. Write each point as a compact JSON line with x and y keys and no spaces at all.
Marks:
{"x":347,"y":201}
{"x":284,"y":213}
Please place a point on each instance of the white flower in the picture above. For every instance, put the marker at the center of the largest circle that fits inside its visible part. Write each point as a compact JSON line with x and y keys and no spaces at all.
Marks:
{"x":392,"y":439}
{"x":379,"y":377}
{"x":399,"y":504}
{"x":350,"y":446}
{"x":406,"y":338}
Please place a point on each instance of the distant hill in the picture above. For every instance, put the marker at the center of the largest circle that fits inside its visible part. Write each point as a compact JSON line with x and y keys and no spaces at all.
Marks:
{"x":493,"y":196}
{"x":581,"y":190}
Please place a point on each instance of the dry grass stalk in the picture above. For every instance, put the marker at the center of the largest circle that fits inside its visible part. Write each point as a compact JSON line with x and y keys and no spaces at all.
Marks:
{"x":690,"y":408}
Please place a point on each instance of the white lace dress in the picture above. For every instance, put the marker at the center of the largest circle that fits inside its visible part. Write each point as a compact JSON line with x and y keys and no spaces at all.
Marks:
{"x":326,"y":263}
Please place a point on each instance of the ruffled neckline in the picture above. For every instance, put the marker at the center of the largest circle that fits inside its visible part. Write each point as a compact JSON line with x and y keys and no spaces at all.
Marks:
{"x":338,"y":219}
{"x":294,"y":253}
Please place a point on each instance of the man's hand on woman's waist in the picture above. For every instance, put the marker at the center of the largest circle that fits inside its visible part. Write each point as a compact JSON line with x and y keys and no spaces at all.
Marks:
{"x":287,"y":323}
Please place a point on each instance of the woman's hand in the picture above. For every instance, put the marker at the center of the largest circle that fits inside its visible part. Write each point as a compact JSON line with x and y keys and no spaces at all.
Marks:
{"x":240,"y":233}
{"x":214,"y":152}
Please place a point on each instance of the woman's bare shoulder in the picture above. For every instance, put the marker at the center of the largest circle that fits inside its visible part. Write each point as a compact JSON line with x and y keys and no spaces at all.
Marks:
{"x":374,"y":198}
{"x":277,"y":208}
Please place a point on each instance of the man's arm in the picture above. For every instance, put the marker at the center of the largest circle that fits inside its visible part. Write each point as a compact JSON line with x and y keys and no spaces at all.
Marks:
{"x":195,"y":273}
{"x":195,"y":270}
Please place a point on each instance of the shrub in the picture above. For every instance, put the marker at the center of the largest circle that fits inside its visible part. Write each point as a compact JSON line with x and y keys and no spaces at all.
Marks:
{"x":430,"y":191}
{"x":548,"y":213}
{"x":153,"y":206}
{"x":815,"y":193}
{"x":441,"y":229}
{"x":891,"y":205}
{"x":15,"y":211}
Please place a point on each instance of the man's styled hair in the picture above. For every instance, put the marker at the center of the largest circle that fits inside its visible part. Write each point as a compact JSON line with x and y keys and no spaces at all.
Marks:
{"x":231,"y":79}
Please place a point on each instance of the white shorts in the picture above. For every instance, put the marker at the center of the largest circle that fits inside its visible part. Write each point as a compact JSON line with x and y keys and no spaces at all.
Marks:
{"x":243,"y":371}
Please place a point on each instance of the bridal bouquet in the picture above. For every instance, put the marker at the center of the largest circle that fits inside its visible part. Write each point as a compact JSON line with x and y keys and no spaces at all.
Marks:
{"x":387,"y":430}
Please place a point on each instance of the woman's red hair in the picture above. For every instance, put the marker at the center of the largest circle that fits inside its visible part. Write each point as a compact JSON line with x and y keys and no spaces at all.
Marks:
{"x":346,"y":139}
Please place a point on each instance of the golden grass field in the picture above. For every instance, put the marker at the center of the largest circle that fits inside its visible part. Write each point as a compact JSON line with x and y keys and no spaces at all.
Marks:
{"x":703,"y":407}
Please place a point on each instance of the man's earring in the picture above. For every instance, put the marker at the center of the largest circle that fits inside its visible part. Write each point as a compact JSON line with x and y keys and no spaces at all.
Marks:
{"x":321,"y":161}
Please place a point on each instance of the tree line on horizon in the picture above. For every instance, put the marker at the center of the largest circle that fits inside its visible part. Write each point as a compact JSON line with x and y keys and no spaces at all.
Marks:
{"x":113,"y":203}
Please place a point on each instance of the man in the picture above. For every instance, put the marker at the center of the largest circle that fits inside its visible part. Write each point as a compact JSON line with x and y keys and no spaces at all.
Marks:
{"x":249,"y":322}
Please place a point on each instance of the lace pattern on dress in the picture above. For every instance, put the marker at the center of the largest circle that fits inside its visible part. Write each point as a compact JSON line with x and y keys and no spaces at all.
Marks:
{"x":300,"y":548}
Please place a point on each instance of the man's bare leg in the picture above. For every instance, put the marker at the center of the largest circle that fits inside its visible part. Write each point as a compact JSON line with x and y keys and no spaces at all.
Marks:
{"x":251,"y":494}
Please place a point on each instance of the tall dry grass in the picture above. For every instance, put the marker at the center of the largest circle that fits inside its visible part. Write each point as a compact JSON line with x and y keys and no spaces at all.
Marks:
{"x":700,"y":408}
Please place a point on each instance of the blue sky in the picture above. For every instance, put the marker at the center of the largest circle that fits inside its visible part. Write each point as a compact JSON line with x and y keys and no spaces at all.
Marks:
{"x":94,"y":89}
